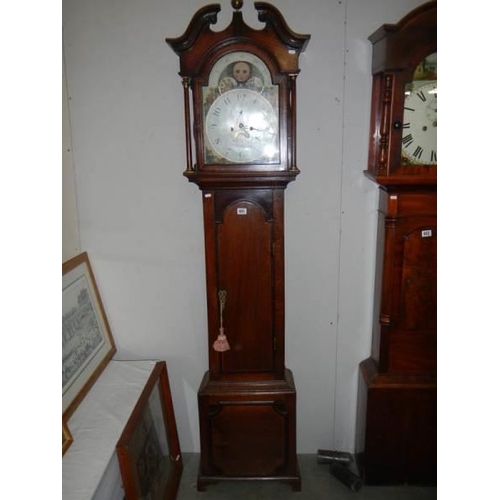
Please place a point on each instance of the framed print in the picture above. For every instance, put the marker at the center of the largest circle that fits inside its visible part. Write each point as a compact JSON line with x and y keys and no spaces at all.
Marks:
{"x":67,"y":438}
{"x":148,"y":449}
{"x":87,"y":343}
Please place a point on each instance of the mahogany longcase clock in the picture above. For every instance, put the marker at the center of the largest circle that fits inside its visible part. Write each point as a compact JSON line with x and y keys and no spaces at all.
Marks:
{"x":397,"y":392}
{"x":240,"y":115}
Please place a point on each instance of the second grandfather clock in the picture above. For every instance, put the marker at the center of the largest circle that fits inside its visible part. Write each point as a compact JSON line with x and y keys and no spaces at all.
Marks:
{"x":397,"y":395}
{"x":240,"y":115}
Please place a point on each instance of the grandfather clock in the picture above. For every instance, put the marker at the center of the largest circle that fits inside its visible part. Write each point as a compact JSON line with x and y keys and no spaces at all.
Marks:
{"x":240,"y":115}
{"x":396,"y":428}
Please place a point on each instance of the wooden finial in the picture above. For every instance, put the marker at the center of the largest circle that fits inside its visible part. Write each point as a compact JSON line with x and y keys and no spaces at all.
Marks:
{"x":237,"y":4}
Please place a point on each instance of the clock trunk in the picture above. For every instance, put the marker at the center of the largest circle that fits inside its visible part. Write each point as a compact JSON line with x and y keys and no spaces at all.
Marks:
{"x":244,"y":257}
{"x":247,"y":400}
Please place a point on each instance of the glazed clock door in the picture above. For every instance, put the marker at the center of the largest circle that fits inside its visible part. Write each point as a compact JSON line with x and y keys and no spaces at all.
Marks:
{"x":242,"y":127}
{"x":240,"y":112}
{"x":419,"y":140}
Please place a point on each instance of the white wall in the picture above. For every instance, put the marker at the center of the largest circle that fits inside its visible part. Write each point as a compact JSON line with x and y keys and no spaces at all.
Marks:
{"x":141,"y":221}
{"x":70,"y":230}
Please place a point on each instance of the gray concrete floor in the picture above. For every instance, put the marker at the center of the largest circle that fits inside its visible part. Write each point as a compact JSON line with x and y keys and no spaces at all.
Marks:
{"x":317,"y":484}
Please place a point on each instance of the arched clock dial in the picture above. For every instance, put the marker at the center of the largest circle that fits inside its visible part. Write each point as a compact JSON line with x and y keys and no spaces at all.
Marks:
{"x":240,"y":103}
{"x":242,"y":127}
{"x":419,"y":140}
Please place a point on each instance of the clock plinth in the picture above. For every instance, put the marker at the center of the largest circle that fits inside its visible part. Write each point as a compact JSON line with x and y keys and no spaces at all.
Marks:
{"x":397,"y":417}
{"x":240,"y":114}
{"x":247,"y":431}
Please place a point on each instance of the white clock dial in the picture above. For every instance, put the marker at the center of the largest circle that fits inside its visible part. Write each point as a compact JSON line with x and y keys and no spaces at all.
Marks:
{"x":419,"y":139}
{"x":242,"y":127}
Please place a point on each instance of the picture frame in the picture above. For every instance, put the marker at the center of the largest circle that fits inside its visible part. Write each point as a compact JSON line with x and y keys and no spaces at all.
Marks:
{"x":67,"y":438}
{"x":87,"y":342}
{"x":148,"y":450}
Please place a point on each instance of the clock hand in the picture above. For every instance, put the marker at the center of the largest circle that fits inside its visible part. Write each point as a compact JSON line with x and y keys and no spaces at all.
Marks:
{"x":260,"y":129}
{"x":238,"y":123}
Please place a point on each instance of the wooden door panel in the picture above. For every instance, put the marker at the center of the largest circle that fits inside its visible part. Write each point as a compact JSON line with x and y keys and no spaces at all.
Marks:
{"x":413,"y":334}
{"x":245,"y":271}
{"x":419,"y":280}
{"x":249,"y":439}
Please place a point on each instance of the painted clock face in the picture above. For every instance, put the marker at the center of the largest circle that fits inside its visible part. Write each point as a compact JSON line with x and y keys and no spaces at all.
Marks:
{"x":419,"y":138}
{"x":241,"y":114}
{"x":242,"y":127}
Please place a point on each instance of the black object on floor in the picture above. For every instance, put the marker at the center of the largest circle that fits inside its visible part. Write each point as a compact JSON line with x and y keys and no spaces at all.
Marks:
{"x":342,"y":467}
{"x":346,"y":475}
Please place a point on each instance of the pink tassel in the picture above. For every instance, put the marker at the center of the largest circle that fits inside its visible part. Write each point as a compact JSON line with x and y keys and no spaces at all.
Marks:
{"x":221,"y":344}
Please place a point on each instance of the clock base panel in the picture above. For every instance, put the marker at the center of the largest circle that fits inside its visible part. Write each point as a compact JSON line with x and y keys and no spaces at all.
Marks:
{"x":397,"y":427}
{"x":248,"y":431}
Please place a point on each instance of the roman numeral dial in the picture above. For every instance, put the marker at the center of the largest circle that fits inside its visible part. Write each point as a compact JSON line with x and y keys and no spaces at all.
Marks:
{"x":419,"y":130}
{"x":241,"y":126}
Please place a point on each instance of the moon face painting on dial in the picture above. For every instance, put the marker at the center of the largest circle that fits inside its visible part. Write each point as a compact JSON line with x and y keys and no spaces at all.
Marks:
{"x":241,"y":117}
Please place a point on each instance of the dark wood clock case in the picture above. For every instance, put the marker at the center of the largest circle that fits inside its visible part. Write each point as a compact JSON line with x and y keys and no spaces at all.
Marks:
{"x":247,"y":398}
{"x":397,"y":398}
